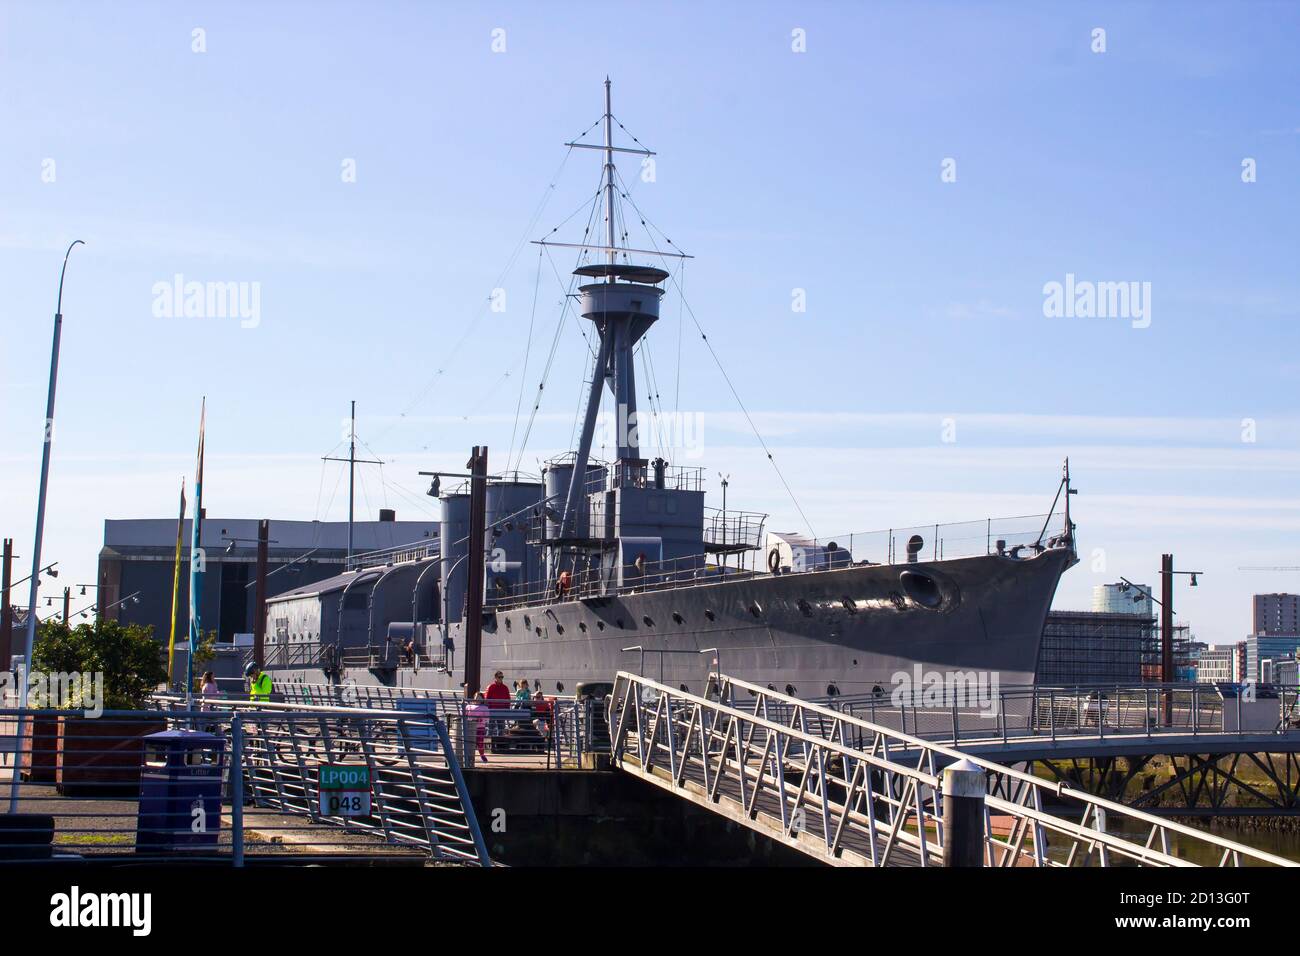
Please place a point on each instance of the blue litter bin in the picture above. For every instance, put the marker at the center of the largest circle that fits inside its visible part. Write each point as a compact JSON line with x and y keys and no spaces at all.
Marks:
{"x":180,"y":792}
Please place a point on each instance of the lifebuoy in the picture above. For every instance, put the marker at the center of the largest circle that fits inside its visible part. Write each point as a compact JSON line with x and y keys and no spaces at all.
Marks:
{"x":774,"y":560}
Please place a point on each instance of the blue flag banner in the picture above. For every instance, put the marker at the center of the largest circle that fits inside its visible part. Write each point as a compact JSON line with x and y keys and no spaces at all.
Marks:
{"x":197,"y":560}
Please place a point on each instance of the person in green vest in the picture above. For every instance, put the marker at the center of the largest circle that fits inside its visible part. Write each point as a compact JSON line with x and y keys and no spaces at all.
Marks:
{"x":259,"y":682}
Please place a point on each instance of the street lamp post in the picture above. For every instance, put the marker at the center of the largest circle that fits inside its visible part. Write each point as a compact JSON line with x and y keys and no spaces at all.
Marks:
{"x":30,"y":637}
{"x":1166,"y":602}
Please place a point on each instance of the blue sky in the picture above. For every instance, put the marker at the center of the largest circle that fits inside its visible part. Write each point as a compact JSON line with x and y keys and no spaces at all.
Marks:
{"x":776,"y":170}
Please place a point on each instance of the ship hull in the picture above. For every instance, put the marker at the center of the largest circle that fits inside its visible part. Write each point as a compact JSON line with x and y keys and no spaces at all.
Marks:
{"x":850,"y":630}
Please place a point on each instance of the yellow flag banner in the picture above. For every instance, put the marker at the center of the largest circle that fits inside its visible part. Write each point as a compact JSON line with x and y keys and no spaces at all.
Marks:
{"x":176,"y":584}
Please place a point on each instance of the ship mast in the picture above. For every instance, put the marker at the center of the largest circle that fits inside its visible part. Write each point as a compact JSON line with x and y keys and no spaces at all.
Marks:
{"x":609,"y":181}
{"x":622,"y":308}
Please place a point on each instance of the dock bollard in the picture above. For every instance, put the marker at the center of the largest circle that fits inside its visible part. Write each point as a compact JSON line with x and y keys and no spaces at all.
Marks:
{"x":963,"y":814}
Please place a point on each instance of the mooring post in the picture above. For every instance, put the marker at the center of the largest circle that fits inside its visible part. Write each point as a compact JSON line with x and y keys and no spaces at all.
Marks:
{"x":963,"y":814}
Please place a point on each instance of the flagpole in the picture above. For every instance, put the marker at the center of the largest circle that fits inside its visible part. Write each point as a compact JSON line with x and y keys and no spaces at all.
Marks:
{"x":176,"y":586}
{"x":197,"y":563}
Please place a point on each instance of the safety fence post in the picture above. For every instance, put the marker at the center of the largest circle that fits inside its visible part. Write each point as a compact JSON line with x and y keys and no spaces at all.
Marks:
{"x":237,"y":789}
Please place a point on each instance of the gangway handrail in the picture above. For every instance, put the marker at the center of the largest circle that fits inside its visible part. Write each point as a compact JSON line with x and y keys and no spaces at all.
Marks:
{"x":923,"y":773}
{"x":1057,"y":787}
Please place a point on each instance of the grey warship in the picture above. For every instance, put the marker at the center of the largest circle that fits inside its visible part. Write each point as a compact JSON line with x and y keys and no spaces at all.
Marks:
{"x":598,"y":566}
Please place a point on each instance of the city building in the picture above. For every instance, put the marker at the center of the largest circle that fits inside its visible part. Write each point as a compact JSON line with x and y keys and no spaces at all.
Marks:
{"x":1276,"y":614}
{"x":1260,"y":648}
{"x":138,"y":559}
{"x":1121,"y":598}
{"x":1096,"y":647}
{"x":1217,"y":665}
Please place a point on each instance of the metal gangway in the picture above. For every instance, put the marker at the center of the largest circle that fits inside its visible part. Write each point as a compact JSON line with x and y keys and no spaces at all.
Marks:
{"x":849,"y":792}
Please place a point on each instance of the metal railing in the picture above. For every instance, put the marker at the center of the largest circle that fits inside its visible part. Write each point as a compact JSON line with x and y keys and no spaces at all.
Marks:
{"x":733,"y":530}
{"x":836,"y":786}
{"x":419,"y":795}
{"x":564,"y":731}
{"x":1076,"y":712}
{"x":1017,"y":537}
{"x":292,"y":653}
{"x":247,"y":786}
{"x":940,"y":542}
{"x":412,"y":551}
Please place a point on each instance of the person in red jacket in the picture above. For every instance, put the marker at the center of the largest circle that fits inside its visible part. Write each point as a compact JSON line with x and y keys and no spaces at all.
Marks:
{"x":498,"y":696}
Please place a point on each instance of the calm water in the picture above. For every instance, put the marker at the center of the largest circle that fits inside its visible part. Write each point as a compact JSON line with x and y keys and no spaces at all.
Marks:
{"x":1284,"y":843}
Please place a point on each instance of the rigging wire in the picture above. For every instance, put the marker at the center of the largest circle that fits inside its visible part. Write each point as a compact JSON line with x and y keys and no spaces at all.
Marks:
{"x":510,"y":262}
{"x":320,"y":488}
{"x":528,"y":347}
{"x":677,"y":393}
{"x":567,"y":291}
{"x":718,"y":362}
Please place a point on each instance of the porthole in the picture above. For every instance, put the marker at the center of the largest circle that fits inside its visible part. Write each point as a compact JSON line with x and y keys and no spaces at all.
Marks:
{"x":582,"y":626}
{"x":921,"y":588}
{"x":710,"y":615}
{"x":528,"y":621}
{"x":855,"y":662}
{"x":648,"y":621}
{"x":559,"y":687}
{"x":850,"y":605}
{"x":619,"y":624}
{"x":832,"y":690}
{"x":509,"y":625}
{"x":756,"y":609}
{"x":805,"y":608}
{"x":559,"y":629}
{"x":677,"y":618}
{"x":684,"y":688}
{"x":790,"y":690}
{"x":600,"y":625}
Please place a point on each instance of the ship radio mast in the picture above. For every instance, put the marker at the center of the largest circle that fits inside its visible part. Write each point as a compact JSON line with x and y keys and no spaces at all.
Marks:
{"x":622,"y":307}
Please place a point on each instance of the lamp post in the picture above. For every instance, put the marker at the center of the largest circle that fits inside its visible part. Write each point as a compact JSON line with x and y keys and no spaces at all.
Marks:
{"x":30,"y":637}
{"x":1166,"y":602}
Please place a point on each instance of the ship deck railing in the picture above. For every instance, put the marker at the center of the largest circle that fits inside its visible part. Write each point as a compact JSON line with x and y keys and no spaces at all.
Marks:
{"x":422,"y":550}
{"x":1019,"y":536}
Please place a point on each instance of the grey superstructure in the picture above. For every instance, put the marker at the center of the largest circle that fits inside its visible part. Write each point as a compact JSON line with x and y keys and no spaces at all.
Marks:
{"x":598,"y":566}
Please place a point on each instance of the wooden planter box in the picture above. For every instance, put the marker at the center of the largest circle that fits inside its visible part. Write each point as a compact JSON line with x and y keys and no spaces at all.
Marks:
{"x":38,"y":757}
{"x":102,"y":754}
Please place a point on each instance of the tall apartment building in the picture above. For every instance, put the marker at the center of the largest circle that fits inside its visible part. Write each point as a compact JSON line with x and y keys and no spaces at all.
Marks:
{"x":1276,"y":614}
